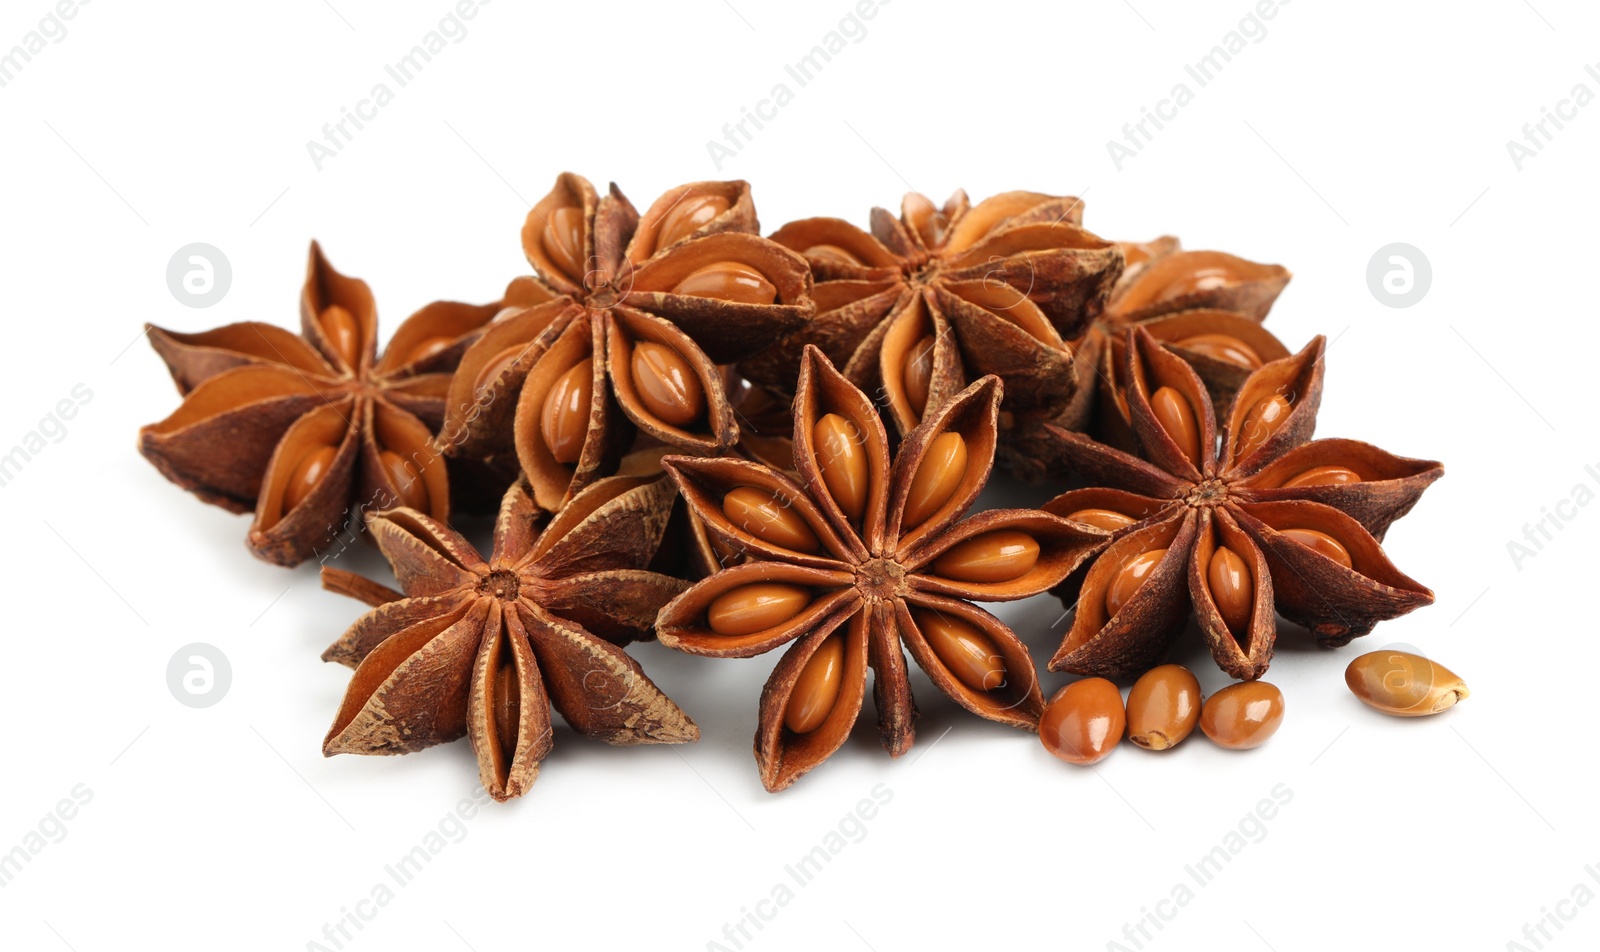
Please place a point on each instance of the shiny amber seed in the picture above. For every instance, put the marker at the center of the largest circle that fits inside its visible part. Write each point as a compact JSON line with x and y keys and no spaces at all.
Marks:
{"x":756,"y":607}
{"x":343,"y":333}
{"x":496,"y":366}
{"x":428,"y":348}
{"x":998,"y":556}
{"x":918,"y":376}
{"x":1083,"y":722}
{"x":1133,"y":574}
{"x":1324,"y":476}
{"x":833,"y":254}
{"x":507,"y":706}
{"x":966,"y":652}
{"x":307,"y":473}
{"x":687,"y":217}
{"x":563,"y":241}
{"x":1106,"y":519}
{"x":1263,"y":420}
{"x":1163,"y":707}
{"x":1404,"y":684}
{"x":843,"y":461}
{"x":1223,"y":347}
{"x":1232,"y":588}
{"x":816,"y":690}
{"x":406,"y":479}
{"x":564,"y":418}
{"x":1322,"y":544}
{"x":770,"y":518}
{"x":943,"y":467}
{"x":666,"y":384}
{"x":729,"y":281}
{"x":1243,"y":715}
{"x":1177,"y":417}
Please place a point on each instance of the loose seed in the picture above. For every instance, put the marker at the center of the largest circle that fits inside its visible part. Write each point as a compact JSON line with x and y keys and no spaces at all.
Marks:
{"x":1324,"y":476}
{"x":816,"y":690}
{"x":1083,"y":722}
{"x":1232,"y":588}
{"x":666,"y":384}
{"x":729,"y":281}
{"x":1106,"y":519}
{"x":756,"y":607}
{"x":344,"y":334}
{"x":1223,"y":347}
{"x":687,"y":217}
{"x":1133,"y":574}
{"x":1176,"y":416}
{"x":843,"y":461}
{"x":404,"y":476}
{"x":967,"y":653}
{"x":563,"y":241}
{"x":918,"y":375}
{"x":943,"y":467}
{"x":564,"y":419}
{"x":307,"y":474}
{"x":1321,"y":543}
{"x":770,"y":518}
{"x":1243,"y":715}
{"x":998,"y":556}
{"x":1404,"y":684}
{"x":1260,"y":423}
{"x":1163,"y":707}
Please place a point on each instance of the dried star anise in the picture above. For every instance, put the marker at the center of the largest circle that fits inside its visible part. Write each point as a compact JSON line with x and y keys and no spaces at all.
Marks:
{"x":937,"y":297}
{"x":641,"y":311}
{"x":485,"y":647}
{"x":860,"y":557}
{"x":306,"y":429}
{"x":1236,"y":527}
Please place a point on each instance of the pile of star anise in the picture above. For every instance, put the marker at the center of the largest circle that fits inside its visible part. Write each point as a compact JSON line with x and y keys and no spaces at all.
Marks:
{"x":737,"y":443}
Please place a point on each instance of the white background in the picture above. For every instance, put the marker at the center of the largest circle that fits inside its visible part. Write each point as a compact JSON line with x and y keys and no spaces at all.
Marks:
{"x":1347,"y":127}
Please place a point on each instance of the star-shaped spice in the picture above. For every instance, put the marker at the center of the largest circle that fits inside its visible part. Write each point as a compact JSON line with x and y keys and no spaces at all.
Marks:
{"x":1235,"y":529}
{"x":642,"y":309}
{"x":938,"y":297}
{"x":860,"y":557}
{"x":306,"y":429}
{"x":485,"y":647}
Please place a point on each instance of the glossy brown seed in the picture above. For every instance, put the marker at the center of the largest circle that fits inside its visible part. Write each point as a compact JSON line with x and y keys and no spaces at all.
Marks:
{"x":666,"y":384}
{"x":1133,"y":574}
{"x":937,"y":479}
{"x":496,"y":366}
{"x":1321,"y":543}
{"x":816,"y":690}
{"x":564,"y":419}
{"x":926,"y":220}
{"x":428,"y":348}
{"x":1223,"y":347}
{"x":307,"y":473}
{"x":729,"y":281}
{"x":1083,"y":723}
{"x":998,"y":556}
{"x":1324,"y":476}
{"x":1260,"y":423}
{"x":687,"y":217}
{"x":1106,"y":519}
{"x":1404,"y":684}
{"x":918,"y":374}
{"x":1176,"y":416}
{"x":1243,"y":715}
{"x":770,"y":518}
{"x":843,"y":461}
{"x":756,"y":607}
{"x":563,"y":241}
{"x":507,"y":705}
{"x":833,"y":254}
{"x":966,"y":652}
{"x":1232,"y":588}
{"x":344,"y":334}
{"x":1163,"y":707}
{"x":406,"y":478}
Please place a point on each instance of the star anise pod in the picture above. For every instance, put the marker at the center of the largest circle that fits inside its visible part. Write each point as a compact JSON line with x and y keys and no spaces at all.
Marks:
{"x":642,"y":310}
{"x":306,"y":429}
{"x":859,"y":557}
{"x":485,"y":647}
{"x":937,"y":297}
{"x":1236,"y":527}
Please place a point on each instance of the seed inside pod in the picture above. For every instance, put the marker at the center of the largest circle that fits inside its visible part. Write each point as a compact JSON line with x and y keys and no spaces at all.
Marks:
{"x":967,"y":652}
{"x":1106,"y":519}
{"x":1324,"y":476}
{"x":1223,"y":347}
{"x":1232,"y":588}
{"x":1404,"y":684}
{"x":564,"y":419}
{"x":563,"y":241}
{"x":998,"y":556}
{"x":926,"y":220}
{"x":344,"y":334}
{"x":307,"y":473}
{"x":943,"y":467}
{"x":729,"y":281}
{"x":756,"y":607}
{"x":1322,"y":543}
{"x":816,"y":690}
{"x":1176,"y":416}
{"x":843,"y":461}
{"x":687,"y":217}
{"x":833,"y":254}
{"x":919,"y":374}
{"x":428,"y":348}
{"x":1133,"y":574}
{"x":1260,"y":423}
{"x":1243,"y":715}
{"x":1163,"y":707}
{"x":1083,"y":722}
{"x":507,"y":705}
{"x":666,"y":384}
{"x":770,"y":518}
{"x":496,"y":366}
{"x":406,"y":478}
